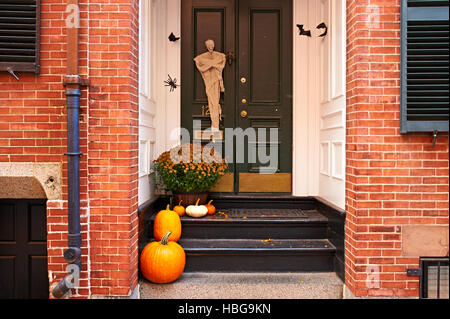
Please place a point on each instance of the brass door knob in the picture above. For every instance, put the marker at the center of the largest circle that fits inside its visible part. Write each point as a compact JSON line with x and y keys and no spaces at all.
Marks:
{"x":244,"y":101}
{"x":244,"y":114}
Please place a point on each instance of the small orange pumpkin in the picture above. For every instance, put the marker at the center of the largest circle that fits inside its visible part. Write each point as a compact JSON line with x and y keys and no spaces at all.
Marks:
{"x":163,"y":262}
{"x":180,"y":210}
{"x":211,"y":208}
{"x":167,"y":220}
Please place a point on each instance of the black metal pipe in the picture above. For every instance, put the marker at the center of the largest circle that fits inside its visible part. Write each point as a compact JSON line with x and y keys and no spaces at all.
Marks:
{"x":73,"y":254}
{"x":62,"y":287}
{"x":73,"y":84}
{"x":73,"y":165}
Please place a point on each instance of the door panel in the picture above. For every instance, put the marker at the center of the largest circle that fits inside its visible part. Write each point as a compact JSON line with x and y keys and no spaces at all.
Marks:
{"x":258,"y":81}
{"x":333,"y":103}
{"x":23,"y":249}
{"x":148,"y":96}
{"x":265,"y":60}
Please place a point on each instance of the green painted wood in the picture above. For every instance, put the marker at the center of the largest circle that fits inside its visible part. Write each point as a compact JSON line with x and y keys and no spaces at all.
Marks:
{"x":424,"y":66}
{"x":259,"y":33}
{"x":20,"y":30}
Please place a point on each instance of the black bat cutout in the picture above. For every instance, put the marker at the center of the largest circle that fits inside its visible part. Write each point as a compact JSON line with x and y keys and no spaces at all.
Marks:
{"x":303,"y":31}
{"x":173,"y":38}
{"x":323,"y":26}
{"x":172,"y":83}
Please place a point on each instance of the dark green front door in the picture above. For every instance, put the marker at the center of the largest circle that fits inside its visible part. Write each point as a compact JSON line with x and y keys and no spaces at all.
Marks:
{"x":256,"y":35}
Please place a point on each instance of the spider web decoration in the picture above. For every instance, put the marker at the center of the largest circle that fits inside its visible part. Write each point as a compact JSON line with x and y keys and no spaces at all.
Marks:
{"x":172,"y":83}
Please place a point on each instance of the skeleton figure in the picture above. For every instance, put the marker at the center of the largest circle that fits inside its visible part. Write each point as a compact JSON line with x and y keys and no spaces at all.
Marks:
{"x":211,"y":65}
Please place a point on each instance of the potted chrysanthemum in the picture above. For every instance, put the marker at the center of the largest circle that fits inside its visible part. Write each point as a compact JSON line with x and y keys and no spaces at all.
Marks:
{"x":190,"y":171}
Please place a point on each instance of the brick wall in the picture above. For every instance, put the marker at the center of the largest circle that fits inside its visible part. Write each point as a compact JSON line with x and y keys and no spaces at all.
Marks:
{"x":33,"y":129}
{"x":113,"y":145}
{"x":393,"y":180}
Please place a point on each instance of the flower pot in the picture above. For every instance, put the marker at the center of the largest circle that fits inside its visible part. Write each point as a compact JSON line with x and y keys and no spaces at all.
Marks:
{"x":190,"y":198}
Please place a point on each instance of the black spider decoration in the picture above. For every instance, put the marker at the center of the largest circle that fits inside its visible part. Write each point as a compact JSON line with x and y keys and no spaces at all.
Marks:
{"x":171,"y":83}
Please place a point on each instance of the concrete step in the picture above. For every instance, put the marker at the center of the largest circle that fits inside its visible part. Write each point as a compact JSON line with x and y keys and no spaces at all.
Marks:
{"x":251,"y":255}
{"x":257,"y":223}
{"x":253,"y":223}
{"x":246,"y":286}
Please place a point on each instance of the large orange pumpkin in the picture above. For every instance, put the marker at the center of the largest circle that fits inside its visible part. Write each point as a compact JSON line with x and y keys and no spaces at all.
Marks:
{"x":163,"y":262}
{"x":165,"y":221}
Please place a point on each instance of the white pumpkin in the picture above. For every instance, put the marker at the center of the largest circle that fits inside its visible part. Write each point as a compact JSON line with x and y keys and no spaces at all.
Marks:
{"x":196,"y":210}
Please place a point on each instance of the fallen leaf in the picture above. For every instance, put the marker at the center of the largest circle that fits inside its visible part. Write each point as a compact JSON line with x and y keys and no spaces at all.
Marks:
{"x":223,"y":214}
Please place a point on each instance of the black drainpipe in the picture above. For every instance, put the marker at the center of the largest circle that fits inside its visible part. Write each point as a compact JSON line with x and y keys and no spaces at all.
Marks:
{"x":73,"y":254}
{"x":73,"y":84}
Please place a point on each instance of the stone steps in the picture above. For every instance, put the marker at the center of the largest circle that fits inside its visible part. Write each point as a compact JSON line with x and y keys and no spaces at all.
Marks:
{"x":251,"y":255}
{"x":251,"y":234}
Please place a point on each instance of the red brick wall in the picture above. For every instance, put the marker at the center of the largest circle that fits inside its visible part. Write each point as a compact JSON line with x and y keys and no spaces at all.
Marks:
{"x":113,"y":145}
{"x":33,"y":129}
{"x":393,"y":180}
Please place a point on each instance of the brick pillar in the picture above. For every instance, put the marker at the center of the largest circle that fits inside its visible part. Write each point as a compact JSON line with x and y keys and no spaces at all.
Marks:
{"x":393,"y":180}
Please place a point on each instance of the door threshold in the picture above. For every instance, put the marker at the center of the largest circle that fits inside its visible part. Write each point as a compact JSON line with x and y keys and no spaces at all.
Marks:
{"x":255,"y":195}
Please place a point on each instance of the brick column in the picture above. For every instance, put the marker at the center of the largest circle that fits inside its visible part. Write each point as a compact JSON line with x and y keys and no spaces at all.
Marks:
{"x":113,"y":146}
{"x":393,"y":180}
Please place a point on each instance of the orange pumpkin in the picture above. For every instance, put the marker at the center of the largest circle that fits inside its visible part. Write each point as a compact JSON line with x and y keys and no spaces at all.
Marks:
{"x":163,"y":262}
{"x":211,"y":208}
{"x":167,"y":220}
{"x":180,"y":210}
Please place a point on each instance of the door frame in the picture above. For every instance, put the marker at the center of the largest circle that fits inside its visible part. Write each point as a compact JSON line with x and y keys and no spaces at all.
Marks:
{"x":305,"y":108}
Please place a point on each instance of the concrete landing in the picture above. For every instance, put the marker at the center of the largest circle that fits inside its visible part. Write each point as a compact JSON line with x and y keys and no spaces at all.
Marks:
{"x":247,"y":286}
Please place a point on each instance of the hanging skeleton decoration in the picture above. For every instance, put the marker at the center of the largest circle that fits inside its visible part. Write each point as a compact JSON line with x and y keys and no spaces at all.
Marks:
{"x":211,"y":64}
{"x":171,"y":83}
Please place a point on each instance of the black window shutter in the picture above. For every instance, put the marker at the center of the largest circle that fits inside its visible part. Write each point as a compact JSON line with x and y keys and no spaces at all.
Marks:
{"x":19,"y":35}
{"x":425,"y":66}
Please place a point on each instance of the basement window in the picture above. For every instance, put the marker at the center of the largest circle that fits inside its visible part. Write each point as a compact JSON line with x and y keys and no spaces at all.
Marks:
{"x":434,"y":280}
{"x":19,"y":35}
{"x":425,"y":66}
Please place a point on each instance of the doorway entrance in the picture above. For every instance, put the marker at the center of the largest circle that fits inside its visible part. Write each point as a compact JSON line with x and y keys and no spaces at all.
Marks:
{"x":256,"y":36}
{"x":23,"y":249}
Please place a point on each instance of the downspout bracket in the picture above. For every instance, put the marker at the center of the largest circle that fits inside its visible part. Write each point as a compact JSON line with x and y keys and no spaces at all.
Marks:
{"x":75,"y":80}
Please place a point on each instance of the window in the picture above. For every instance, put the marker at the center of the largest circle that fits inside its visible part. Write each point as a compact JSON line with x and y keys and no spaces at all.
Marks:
{"x":19,"y":35}
{"x":425,"y":66}
{"x":434,"y":278}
